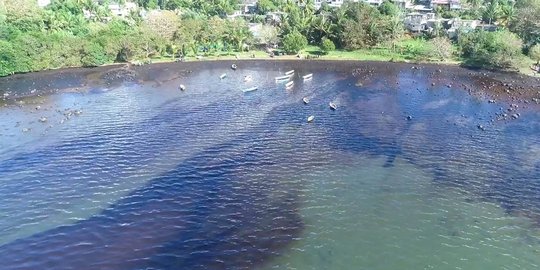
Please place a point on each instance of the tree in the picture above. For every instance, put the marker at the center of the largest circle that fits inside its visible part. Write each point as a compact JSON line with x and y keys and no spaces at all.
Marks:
{"x":265,"y":6}
{"x":526,"y":23}
{"x":269,"y":35}
{"x":164,"y":23}
{"x":93,"y":55}
{"x":237,"y":33}
{"x":327,"y":45}
{"x":388,"y":8}
{"x":494,"y":50}
{"x":441,"y":47}
{"x":507,"y":14}
{"x":534,"y":53}
{"x":294,"y":42}
{"x":491,"y":12}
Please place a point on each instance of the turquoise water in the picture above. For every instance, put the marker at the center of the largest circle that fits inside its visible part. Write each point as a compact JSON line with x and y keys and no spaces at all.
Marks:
{"x":150,"y":177}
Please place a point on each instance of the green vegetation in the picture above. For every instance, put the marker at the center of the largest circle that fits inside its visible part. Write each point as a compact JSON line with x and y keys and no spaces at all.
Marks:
{"x":85,"y":33}
{"x":327,"y":45}
{"x":534,"y":53}
{"x":294,"y":42}
{"x":496,"y":50}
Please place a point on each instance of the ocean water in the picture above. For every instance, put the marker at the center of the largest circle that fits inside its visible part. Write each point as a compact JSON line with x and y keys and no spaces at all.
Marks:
{"x":150,"y":177}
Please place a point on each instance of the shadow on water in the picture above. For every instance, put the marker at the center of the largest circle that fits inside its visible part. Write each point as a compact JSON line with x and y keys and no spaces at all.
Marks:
{"x":218,"y":217}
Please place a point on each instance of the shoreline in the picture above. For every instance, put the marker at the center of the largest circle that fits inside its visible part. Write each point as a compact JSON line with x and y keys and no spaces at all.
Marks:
{"x":245,"y":57}
{"x":79,"y":79}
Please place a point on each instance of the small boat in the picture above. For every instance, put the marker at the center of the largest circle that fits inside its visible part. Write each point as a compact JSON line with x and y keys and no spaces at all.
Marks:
{"x":234,"y":66}
{"x":283,"y":78}
{"x":289,"y":84}
{"x":332,"y":105}
{"x":308,"y":77}
{"x":310,"y":119}
{"x":248,"y":78}
{"x":290,"y":72}
{"x":223,"y":76}
{"x":250,"y":89}
{"x":182,"y":87}
{"x":305,"y":100}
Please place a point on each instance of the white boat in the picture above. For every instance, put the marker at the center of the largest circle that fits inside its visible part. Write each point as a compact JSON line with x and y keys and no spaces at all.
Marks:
{"x":223,"y":76}
{"x":234,"y":66}
{"x":308,"y":77}
{"x":283,"y":78}
{"x":290,"y":72}
{"x":289,"y":84}
{"x":250,"y":89}
{"x":310,"y":119}
{"x":182,"y":87}
{"x":305,"y":100}
{"x":332,"y":105}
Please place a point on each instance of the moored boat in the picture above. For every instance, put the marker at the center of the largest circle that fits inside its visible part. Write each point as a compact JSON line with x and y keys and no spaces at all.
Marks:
{"x":305,"y":100}
{"x":223,"y":76}
{"x":308,"y":77}
{"x":311,"y":118}
{"x":250,"y":89}
{"x":283,"y":78}
{"x":332,"y":105}
{"x":234,"y":66}
{"x":289,"y":84}
{"x":290,"y":72}
{"x":182,"y":87}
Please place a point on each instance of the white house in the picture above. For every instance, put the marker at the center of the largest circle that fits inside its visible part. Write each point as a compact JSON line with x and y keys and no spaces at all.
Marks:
{"x":122,"y":10}
{"x":43,"y":3}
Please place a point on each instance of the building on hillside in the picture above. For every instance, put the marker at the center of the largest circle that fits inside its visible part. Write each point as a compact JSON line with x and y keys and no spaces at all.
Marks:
{"x":339,"y":3}
{"x":122,"y":10}
{"x":449,"y":4}
{"x":420,"y":9}
{"x":43,"y":3}
{"x":404,"y":4}
{"x":248,"y":6}
{"x":419,"y":22}
{"x":456,"y":25}
{"x":415,"y":22}
{"x":274,"y":18}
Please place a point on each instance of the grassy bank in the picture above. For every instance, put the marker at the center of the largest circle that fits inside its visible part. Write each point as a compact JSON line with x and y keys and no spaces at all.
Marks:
{"x":409,"y":50}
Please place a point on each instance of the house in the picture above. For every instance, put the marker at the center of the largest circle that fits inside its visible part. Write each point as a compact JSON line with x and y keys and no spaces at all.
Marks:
{"x":274,"y":18}
{"x":248,"y":6}
{"x":415,"y":22}
{"x":43,"y":3}
{"x":420,"y":8}
{"x":374,"y":2}
{"x":122,"y":10}
{"x":404,"y":4}
{"x":449,"y":4}
{"x":458,"y":24}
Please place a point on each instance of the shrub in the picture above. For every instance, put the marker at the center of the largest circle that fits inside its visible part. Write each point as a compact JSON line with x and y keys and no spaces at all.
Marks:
{"x":93,"y":55}
{"x":441,"y":47}
{"x":294,"y":42}
{"x":534,"y":53}
{"x":327,"y":45}
{"x":493,"y":50}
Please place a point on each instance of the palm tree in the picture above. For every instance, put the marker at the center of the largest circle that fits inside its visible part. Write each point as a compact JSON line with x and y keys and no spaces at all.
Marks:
{"x":508,"y":14}
{"x":491,"y":12}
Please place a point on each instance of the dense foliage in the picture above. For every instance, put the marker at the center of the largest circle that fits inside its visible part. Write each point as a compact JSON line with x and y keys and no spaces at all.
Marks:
{"x":294,"y":42}
{"x":62,"y":36}
{"x":86,"y":33}
{"x":327,"y":45}
{"x":497,"y":50}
